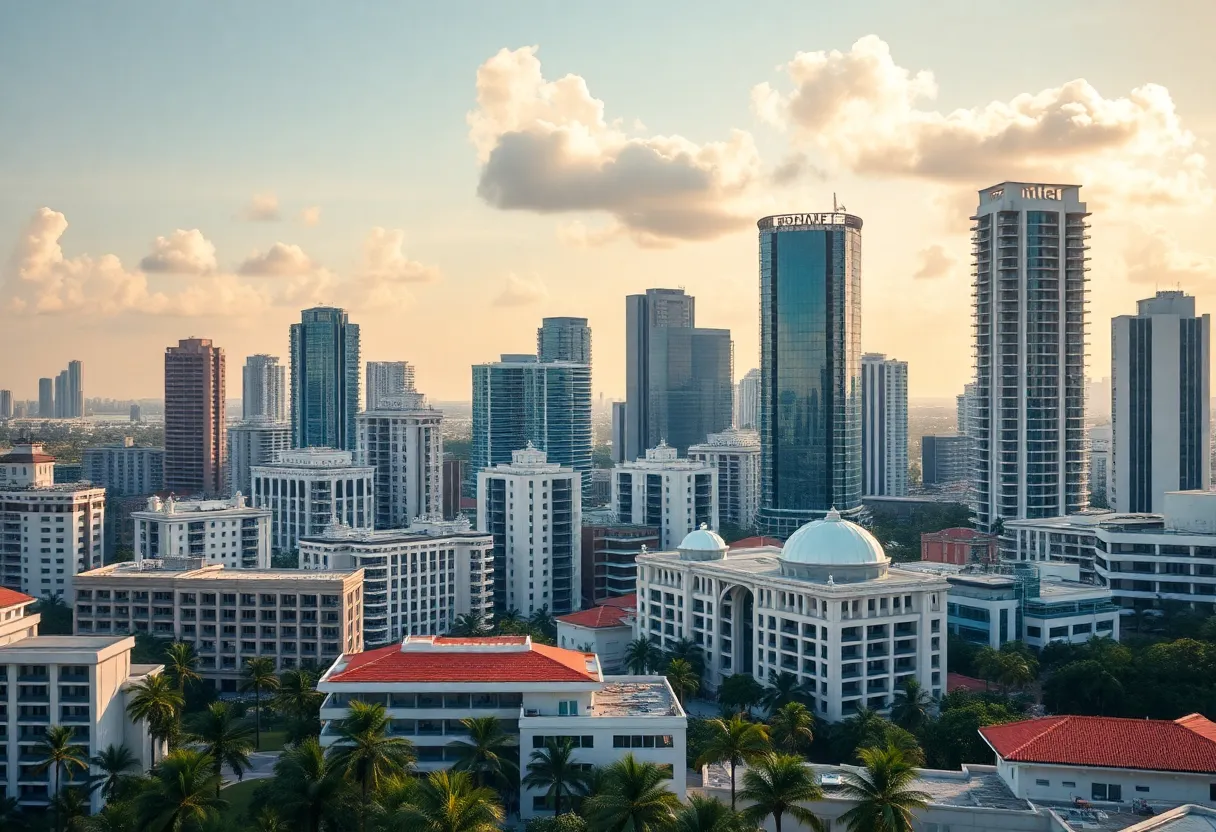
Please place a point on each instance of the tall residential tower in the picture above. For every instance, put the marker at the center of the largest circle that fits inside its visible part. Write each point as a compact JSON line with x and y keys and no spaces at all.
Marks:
{"x":195,"y":422}
{"x":564,"y":339}
{"x":387,"y":379}
{"x":884,"y":426}
{"x":324,"y":379}
{"x":264,"y":388}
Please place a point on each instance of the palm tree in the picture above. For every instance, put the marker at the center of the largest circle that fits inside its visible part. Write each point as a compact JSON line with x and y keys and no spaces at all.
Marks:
{"x":470,"y":624}
{"x":910,"y":710}
{"x":733,"y":741}
{"x":683,"y":678}
{"x":507,"y":620}
{"x":225,"y":739}
{"x":71,"y":809}
{"x":782,"y":688}
{"x":449,"y":801}
{"x":708,"y":814}
{"x":60,"y":755}
{"x":257,"y":676}
{"x":689,"y":651}
{"x":307,"y":784}
{"x":778,"y":785}
{"x":182,"y":663}
{"x":299,"y":700}
{"x":489,"y":754}
{"x":11,"y":817}
{"x":884,"y":801}
{"x":115,"y":816}
{"x":553,"y":768}
{"x":366,"y":753}
{"x":865,"y":728}
{"x":181,"y":794}
{"x":542,"y":620}
{"x":792,"y":728}
{"x":642,"y":655}
{"x":113,"y":762}
{"x":634,"y":798}
{"x":156,"y":702}
{"x":268,"y":820}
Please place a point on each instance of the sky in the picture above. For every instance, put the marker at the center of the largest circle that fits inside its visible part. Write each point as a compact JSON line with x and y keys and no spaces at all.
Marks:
{"x":453,"y":172}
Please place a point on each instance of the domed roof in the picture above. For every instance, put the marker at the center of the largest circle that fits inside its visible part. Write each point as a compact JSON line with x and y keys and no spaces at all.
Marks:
{"x":703,"y":539}
{"x":833,"y":541}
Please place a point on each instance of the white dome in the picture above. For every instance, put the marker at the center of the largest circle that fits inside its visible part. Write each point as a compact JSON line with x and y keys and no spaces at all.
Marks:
{"x":703,"y":539}
{"x":833,"y":541}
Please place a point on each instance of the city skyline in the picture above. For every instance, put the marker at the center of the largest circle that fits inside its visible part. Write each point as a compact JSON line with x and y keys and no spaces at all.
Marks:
{"x":393,"y":225}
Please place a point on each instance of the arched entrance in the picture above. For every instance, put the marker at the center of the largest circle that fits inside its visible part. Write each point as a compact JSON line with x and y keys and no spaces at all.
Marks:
{"x":737,"y":608}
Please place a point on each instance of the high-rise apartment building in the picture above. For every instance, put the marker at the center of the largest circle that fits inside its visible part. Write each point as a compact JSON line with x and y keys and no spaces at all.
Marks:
{"x":619,"y":418}
{"x":402,"y":439}
{"x":308,"y":489}
{"x":1161,"y":425}
{"x":1099,"y":466}
{"x":1029,"y":244}
{"x":675,"y":495}
{"x":61,"y":395}
{"x":736,"y":456}
{"x":195,"y":418}
{"x":46,"y":398}
{"x":125,"y":468}
{"x":256,"y":441}
{"x":965,"y":410}
{"x":230,"y":532}
{"x":6,"y":404}
{"x":533,"y":510}
{"x":264,"y":389}
{"x":519,"y":400}
{"x":324,"y":379}
{"x":75,"y":403}
{"x":678,"y":378}
{"x":387,"y":379}
{"x":810,"y":369}
{"x":747,"y":401}
{"x":945,"y":460}
{"x":564,"y":339}
{"x":884,"y":426}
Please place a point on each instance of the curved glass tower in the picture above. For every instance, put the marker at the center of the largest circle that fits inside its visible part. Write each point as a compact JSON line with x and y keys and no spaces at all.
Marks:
{"x":810,"y":369}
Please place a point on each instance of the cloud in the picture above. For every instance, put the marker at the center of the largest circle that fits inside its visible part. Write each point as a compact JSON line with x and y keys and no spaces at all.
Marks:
{"x":384,"y":259}
{"x":793,"y":168}
{"x":311,"y":216}
{"x":182,"y":252}
{"x":934,"y":263}
{"x":263,"y":208}
{"x":546,"y":147}
{"x":867,"y":113}
{"x":280,"y":260}
{"x":1155,"y":257}
{"x":521,"y":291}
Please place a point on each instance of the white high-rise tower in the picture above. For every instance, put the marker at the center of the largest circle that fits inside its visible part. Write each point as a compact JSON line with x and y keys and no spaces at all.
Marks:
{"x":264,"y":389}
{"x":884,"y":426}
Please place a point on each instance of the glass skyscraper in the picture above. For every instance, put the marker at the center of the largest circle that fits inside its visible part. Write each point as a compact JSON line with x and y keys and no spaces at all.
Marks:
{"x":324,"y":379}
{"x":564,"y":339}
{"x":810,"y":369}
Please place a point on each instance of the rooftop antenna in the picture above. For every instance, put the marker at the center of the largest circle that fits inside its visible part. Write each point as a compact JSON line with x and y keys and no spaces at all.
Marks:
{"x":834,"y":208}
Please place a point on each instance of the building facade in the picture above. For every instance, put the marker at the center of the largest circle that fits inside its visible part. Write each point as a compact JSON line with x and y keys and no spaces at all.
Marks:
{"x":747,"y":401}
{"x":672,"y":494}
{"x":533,"y":510}
{"x":227,"y":532}
{"x":604,"y":630}
{"x":609,"y":551}
{"x":619,"y":417}
{"x":564,"y":339}
{"x":827,"y":607}
{"x":46,"y":398}
{"x":736,"y":456}
{"x":1099,"y":466}
{"x":6,"y":404}
{"x":403,"y":441}
{"x":324,"y":379}
{"x":945,"y":460}
{"x":884,"y":426}
{"x":1029,"y":319}
{"x":1161,"y":419}
{"x":255,"y":441}
{"x":417,"y":580}
{"x":810,"y":369}
{"x":308,"y":489}
{"x":125,"y":468}
{"x":195,"y":419}
{"x":264,"y":389}
{"x":294,"y":617}
{"x":387,"y":380}
{"x":960,"y":546}
{"x":451,"y":483}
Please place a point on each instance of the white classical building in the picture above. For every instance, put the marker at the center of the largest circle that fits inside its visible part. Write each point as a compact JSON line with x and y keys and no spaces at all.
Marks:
{"x":230,"y":532}
{"x":429,"y":684}
{"x":828,"y":607}
{"x":533,"y":510}
{"x":416,"y":580}
{"x":402,"y":439}
{"x":256,"y":441}
{"x":676,"y":495}
{"x":48,"y":531}
{"x":309,"y":488}
{"x":736,"y":456}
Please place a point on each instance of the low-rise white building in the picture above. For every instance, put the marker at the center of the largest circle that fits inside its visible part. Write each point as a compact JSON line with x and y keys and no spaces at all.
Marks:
{"x":736,"y":456}
{"x":402,"y":438}
{"x":429,"y":684}
{"x":604,"y":630}
{"x":416,"y":580}
{"x":676,"y":495}
{"x":256,"y":441}
{"x":218,"y":531}
{"x":307,"y":489}
{"x":827,"y":607}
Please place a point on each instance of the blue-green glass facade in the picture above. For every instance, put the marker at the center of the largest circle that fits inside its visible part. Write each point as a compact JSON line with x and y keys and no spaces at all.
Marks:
{"x":324,"y":379}
{"x":810,"y":370}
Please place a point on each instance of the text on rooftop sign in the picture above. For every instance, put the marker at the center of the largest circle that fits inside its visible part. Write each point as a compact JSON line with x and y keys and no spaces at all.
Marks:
{"x":808,"y":219}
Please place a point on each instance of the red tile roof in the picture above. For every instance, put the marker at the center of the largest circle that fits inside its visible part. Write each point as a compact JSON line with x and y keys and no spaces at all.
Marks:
{"x":24,"y":457}
{"x":629,"y":601}
{"x":11,"y":598}
{"x":598,"y":617}
{"x":954,"y":681}
{"x":753,"y":542}
{"x":510,"y":662}
{"x":1186,"y":744}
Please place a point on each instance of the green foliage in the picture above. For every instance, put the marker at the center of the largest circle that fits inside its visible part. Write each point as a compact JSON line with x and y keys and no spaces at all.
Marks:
{"x":732,"y":533}
{"x":56,"y":616}
{"x":740,"y":692}
{"x":565,"y":822}
{"x":285,"y":560}
{"x":458,"y":448}
{"x":882,"y":789}
{"x":601,"y":456}
{"x":960,"y":655}
{"x":953,"y":738}
{"x":899,"y":532}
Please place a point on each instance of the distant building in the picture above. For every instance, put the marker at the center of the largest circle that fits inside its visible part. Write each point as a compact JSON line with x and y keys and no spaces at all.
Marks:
{"x":959,"y":546}
{"x":675,"y":495}
{"x":125,"y":468}
{"x":564,"y":339}
{"x":196,"y":432}
{"x":965,"y":416}
{"x":747,"y":400}
{"x":46,"y":398}
{"x":619,"y":417}
{"x":608,"y":552}
{"x":1099,"y":466}
{"x":387,"y":380}
{"x":945,"y":460}
{"x":736,"y":455}
{"x":6,"y":404}
{"x":452,"y":481}
{"x":324,"y":379}
{"x":21,"y":410}
{"x":256,"y":441}
{"x":884,"y":425}
{"x":402,"y":439}
{"x":307,"y":489}
{"x":603,"y":630}
{"x":229,"y":532}
{"x":601,"y":488}
{"x":264,"y":389}
{"x":137,"y":413}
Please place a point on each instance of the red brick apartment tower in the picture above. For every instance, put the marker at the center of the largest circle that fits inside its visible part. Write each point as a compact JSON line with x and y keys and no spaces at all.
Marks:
{"x":195,"y":429}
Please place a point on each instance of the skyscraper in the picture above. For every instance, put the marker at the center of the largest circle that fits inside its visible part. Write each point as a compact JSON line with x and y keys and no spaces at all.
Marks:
{"x":256,"y":441}
{"x":195,"y":421}
{"x":264,"y":388}
{"x":387,"y":379}
{"x":619,"y":419}
{"x":62,"y":405}
{"x":46,"y":398}
{"x":678,"y":378}
{"x":324,"y":379}
{"x":564,"y":339}
{"x":1029,"y":244}
{"x":884,"y":426}
{"x":519,"y":400}
{"x":810,"y":369}
{"x":965,"y":410}
{"x":747,"y":400}
{"x":403,"y":440}
{"x":75,"y":406}
{"x":1161,"y":428}
{"x":6,"y":404}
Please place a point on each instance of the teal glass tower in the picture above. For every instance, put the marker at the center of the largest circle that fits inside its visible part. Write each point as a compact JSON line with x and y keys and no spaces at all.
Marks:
{"x":810,"y":369}
{"x":324,"y":379}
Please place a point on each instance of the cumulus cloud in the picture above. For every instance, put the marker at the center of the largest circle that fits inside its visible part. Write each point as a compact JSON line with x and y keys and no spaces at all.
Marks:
{"x":263,"y":208}
{"x":521,"y":291}
{"x":934,"y":263}
{"x":793,"y":168}
{"x":384,"y":259}
{"x":545,"y":146}
{"x":1156,"y":258}
{"x":182,"y":252}
{"x":280,"y":260}
{"x":311,"y":216}
{"x":867,"y":113}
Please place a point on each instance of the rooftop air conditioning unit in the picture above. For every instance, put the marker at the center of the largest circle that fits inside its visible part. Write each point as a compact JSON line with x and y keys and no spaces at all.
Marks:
{"x":532,"y":712}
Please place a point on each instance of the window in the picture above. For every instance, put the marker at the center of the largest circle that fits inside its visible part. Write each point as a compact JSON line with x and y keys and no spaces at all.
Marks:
{"x":1042,"y":782}
{"x":1069,"y":784}
{"x":1107,"y":791}
{"x":1142,"y":789}
{"x":567,"y":707}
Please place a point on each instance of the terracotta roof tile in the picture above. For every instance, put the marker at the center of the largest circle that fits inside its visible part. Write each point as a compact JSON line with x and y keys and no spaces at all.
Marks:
{"x":1186,"y":744}
{"x":540,"y":663}
{"x":629,"y":601}
{"x":11,"y":598}
{"x":756,"y":542}
{"x":598,"y":617}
